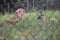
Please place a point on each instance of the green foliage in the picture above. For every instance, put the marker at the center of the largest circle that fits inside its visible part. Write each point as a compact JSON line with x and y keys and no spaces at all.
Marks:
{"x":30,"y":28}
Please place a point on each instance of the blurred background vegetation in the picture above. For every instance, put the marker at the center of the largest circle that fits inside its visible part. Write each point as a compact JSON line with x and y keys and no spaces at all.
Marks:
{"x":12,"y":5}
{"x":29,"y":27}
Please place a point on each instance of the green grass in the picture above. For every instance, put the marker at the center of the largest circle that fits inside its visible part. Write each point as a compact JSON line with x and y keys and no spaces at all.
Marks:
{"x":30,"y":28}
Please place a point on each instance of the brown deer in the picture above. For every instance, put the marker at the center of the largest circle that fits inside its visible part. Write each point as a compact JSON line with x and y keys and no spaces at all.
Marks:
{"x":18,"y":13}
{"x":11,"y":21}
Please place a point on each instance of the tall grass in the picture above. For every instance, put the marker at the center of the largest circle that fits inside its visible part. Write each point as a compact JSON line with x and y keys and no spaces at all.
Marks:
{"x":30,"y":28}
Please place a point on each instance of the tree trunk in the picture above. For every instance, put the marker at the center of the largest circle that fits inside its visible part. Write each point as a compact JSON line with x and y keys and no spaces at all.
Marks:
{"x":27,"y":1}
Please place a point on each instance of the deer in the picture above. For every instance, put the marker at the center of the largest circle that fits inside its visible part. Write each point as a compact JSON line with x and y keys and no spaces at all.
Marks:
{"x":53,"y":19}
{"x":11,"y":21}
{"x":18,"y":13}
{"x":41,"y":15}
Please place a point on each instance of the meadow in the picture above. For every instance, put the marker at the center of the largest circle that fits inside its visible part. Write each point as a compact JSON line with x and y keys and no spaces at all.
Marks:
{"x":31,"y":28}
